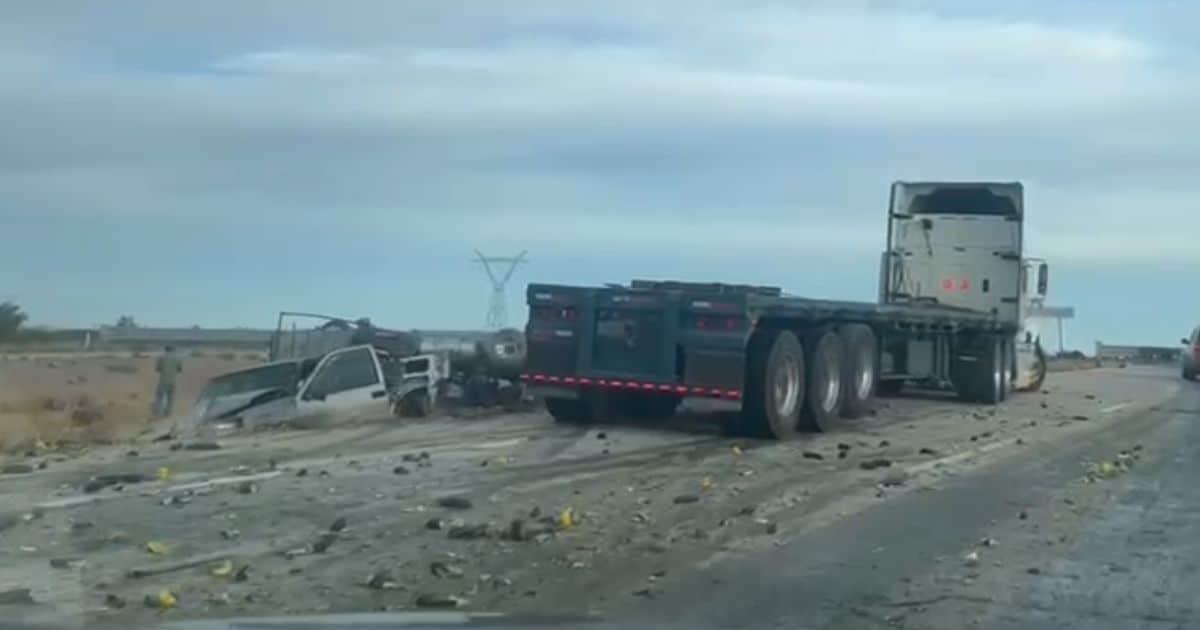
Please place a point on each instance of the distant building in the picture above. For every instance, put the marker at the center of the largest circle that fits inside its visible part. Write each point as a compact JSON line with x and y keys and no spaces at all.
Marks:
{"x":1137,"y":354}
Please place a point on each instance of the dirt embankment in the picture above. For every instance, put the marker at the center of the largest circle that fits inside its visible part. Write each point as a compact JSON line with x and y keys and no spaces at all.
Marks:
{"x":50,"y":402}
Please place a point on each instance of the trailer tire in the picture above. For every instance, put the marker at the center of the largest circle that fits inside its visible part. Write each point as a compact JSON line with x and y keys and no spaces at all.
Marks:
{"x":979,"y":372}
{"x":860,"y":374}
{"x":774,"y":384}
{"x":824,"y":357}
{"x":567,"y":410}
{"x":1039,"y":366}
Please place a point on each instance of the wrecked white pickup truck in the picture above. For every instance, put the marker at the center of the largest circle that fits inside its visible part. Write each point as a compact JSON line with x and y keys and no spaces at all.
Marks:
{"x":343,"y":386}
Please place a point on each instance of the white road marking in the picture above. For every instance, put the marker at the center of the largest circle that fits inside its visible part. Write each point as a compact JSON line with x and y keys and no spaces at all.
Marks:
{"x":1115,"y":408}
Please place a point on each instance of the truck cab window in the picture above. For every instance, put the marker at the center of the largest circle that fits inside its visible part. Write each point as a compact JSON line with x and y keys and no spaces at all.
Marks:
{"x":345,"y":371}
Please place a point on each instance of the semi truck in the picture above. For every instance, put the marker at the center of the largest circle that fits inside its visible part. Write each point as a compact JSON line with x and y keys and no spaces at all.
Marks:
{"x":955,"y":293}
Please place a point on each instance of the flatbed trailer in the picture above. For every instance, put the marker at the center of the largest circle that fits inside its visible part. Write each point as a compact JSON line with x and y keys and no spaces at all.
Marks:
{"x":953,"y":288}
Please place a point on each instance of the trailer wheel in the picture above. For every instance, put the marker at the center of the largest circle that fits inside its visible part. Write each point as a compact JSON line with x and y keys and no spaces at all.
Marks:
{"x":1009,"y":364}
{"x":859,"y":380}
{"x":567,"y":410}
{"x":774,"y":384}
{"x":979,"y":373}
{"x":825,"y":357}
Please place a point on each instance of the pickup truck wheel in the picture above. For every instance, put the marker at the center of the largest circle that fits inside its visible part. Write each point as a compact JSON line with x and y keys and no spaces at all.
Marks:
{"x":774,"y":384}
{"x":859,"y":380}
{"x":417,"y":405}
{"x":567,"y":410}
{"x":824,"y":356}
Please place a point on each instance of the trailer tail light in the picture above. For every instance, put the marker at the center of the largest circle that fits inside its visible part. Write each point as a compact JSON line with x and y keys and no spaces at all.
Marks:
{"x":580,"y":382}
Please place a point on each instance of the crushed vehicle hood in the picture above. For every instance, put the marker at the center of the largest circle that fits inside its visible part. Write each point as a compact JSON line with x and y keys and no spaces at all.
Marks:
{"x":219,"y":407}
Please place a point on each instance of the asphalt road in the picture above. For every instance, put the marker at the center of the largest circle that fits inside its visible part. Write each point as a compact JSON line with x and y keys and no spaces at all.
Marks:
{"x":982,"y":518}
{"x":1054,"y":551}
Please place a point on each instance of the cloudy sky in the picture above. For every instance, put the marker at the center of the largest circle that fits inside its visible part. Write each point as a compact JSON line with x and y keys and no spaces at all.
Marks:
{"x":213,"y":162}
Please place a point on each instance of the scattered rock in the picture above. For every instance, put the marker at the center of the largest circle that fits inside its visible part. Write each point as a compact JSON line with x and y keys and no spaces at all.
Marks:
{"x":163,"y":600}
{"x":842,"y":446}
{"x":16,"y":469}
{"x":872,"y":464}
{"x":247,"y":487}
{"x":1045,"y":405}
{"x":455,"y":503}
{"x":66,"y":563}
{"x":971,"y":559}
{"x":434,"y":600}
{"x":443,"y":570}
{"x":382,"y":580}
{"x":987,"y":542}
{"x":601,"y":436}
{"x":202,"y":446}
{"x":929,"y":451}
{"x":230,"y":534}
{"x":686,"y":498}
{"x":812,"y":455}
{"x":323,"y":542}
{"x":114,"y":601}
{"x":400,"y":470}
{"x":884,"y":444}
{"x":1090,"y":396}
{"x":1033,"y":571}
{"x":894,"y":479}
{"x":468,"y":532}
{"x":338,"y":525}
{"x":435,"y":524}
{"x":843,"y":454}
{"x":1081,"y":418}
{"x":772,"y":528}
{"x":647,"y":593}
{"x":1023,"y":515}
{"x":302,"y":472}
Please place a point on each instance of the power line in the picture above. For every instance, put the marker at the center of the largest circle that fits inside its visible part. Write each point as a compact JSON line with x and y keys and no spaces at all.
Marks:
{"x":497,"y":316}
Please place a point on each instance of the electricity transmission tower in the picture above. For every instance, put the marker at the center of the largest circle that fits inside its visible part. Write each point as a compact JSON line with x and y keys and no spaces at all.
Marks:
{"x":497,"y":315}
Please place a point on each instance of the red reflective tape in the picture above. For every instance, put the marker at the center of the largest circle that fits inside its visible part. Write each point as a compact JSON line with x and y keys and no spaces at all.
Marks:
{"x":664,"y":388}
{"x":614,"y":383}
{"x":586,"y":381}
{"x":524,"y":377}
{"x":649,"y":386}
{"x":715,"y":392}
{"x":539,"y":377}
{"x":697,"y":390}
{"x":552,"y":379}
{"x":570,"y":380}
{"x":631,"y":385}
{"x":734,"y":393}
{"x":682,"y":389}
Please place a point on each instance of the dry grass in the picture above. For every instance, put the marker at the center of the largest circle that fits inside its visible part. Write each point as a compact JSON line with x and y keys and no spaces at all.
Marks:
{"x":41,"y":398}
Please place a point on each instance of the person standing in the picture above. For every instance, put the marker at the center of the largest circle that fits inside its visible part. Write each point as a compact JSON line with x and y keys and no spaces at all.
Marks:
{"x":169,"y":365}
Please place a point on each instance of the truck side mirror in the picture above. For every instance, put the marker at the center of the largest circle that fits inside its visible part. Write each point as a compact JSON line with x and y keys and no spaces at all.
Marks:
{"x":1043,"y":279}
{"x":1184,"y":341}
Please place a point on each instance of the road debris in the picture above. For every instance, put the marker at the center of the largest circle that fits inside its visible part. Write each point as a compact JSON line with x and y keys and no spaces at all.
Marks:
{"x":971,"y":559}
{"x":686,"y":498}
{"x":873,"y":464}
{"x":157,"y":548}
{"x":16,"y":596}
{"x":338,"y":525}
{"x":894,"y":479}
{"x":222,"y":569}
{"x":114,"y":601}
{"x":455,"y":503}
{"x":323,"y":542}
{"x":400,"y":470}
{"x":812,"y":455}
{"x":567,"y":518}
{"x":66,"y":563}
{"x":469,"y":532}
{"x":443,"y":570}
{"x":382,"y":580}
{"x":162,"y":600}
{"x":434,"y":600}
{"x":925,"y":450}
